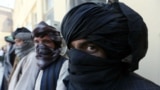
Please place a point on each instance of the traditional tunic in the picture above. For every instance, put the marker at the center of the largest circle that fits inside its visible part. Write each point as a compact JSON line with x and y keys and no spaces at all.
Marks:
{"x":25,"y":74}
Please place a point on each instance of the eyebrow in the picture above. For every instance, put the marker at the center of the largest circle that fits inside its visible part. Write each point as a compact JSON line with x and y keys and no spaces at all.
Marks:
{"x":80,"y":44}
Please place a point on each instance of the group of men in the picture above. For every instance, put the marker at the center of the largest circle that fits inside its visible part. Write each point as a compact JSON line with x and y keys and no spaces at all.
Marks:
{"x":105,"y":44}
{"x":37,"y":59}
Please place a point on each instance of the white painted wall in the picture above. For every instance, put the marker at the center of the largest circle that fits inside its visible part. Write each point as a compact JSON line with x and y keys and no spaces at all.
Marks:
{"x":149,"y":9}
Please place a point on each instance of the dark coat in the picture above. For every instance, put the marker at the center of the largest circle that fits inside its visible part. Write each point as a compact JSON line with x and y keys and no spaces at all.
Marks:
{"x":135,"y":82}
{"x":9,"y":58}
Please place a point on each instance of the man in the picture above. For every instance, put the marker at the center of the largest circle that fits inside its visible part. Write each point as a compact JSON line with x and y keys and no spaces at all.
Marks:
{"x":25,"y":70}
{"x":53,"y":66}
{"x":9,"y":57}
{"x":106,"y":43}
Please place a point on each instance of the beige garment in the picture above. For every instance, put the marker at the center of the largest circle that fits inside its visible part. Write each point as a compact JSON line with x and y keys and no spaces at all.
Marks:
{"x":38,"y":81}
{"x":63,"y":74}
{"x":28,"y":70}
{"x":16,"y":61}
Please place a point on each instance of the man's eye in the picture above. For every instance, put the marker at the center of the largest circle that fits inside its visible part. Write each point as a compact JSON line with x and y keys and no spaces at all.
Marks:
{"x":91,"y":48}
{"x":47,"y":42}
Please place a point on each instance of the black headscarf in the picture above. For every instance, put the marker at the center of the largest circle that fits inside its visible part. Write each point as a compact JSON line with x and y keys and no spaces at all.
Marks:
{"x":116,"y":28}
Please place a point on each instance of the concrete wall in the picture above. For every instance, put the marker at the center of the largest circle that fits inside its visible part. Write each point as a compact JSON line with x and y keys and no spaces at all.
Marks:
{"x":6,"y":24}
{"x":6,"y":19}
{"x":22,"y":15}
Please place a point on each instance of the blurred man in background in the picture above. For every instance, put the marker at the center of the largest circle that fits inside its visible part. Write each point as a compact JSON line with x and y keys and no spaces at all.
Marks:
{"x":25,"y":68}
{"x":9,"y":57}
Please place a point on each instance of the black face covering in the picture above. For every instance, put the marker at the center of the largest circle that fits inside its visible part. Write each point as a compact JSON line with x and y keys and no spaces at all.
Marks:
{"x":46,"y":55}
{"x":88,"y":72}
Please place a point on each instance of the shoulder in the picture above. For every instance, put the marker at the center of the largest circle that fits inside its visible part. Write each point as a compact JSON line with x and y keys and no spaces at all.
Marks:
{"x":64,"y":67}
{"x":136,"y":82}
{"x":64,"y":62}
{"x":62,"y":75}
{"x":31,"y":56}
{"x":63,"y":58}
{"x":32,"y":53}
{"x":30,"y":59}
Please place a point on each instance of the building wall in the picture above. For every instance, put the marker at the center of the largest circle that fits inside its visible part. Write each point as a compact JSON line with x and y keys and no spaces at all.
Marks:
{"x":6,"y":19}
{"x":23,"y":11}
{"x":30,"y":12}
{"x":6,"y":24}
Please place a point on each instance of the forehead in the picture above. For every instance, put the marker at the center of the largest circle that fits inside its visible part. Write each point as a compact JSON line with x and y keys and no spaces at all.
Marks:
{"x":42,"y":38}
{"x":17,"y":40}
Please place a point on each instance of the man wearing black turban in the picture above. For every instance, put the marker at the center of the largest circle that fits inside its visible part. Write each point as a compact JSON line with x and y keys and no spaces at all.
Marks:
{"x":106,"y":43}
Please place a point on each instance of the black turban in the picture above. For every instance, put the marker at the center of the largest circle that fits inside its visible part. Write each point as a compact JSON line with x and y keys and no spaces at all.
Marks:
{"x":116,"y":28}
